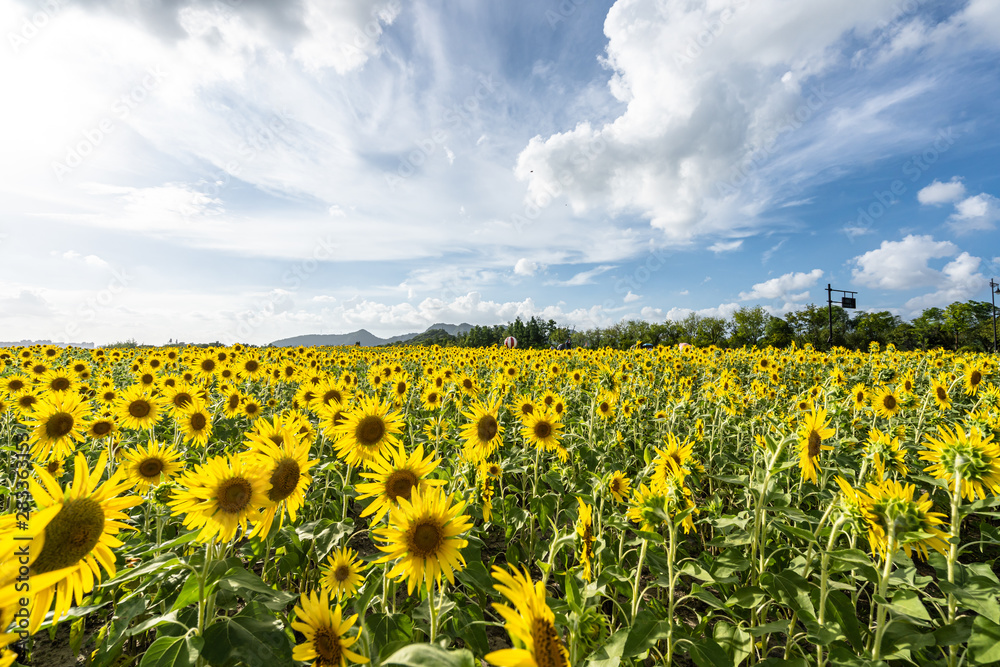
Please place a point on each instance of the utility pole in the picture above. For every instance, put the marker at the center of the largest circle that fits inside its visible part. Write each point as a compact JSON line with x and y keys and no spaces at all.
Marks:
{"x":845,"y":302}
{"x":994,"y":290}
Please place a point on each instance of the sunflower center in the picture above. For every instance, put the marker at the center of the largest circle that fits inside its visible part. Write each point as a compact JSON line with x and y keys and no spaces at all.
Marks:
{"x":327,"y":644}
{"x":975,"y":378}
{"x":426,"y":539}
{"x":942,"y":394}
{"x":251,"y":408}
{"x":59,"y":425}
{"x":151,"y":468}
{"x":543,"y":430}
{"x":139,"y":408}
{"x":52,"y":467}
{"x":284,"y":479}
{"x":198,"y":421}
{"x":604,"y":407}
{"x":208,"y":365}
{"x":487,"y":428}
{"x":71,"y":535}
{"x":548,"y":649}
{"x":60,"y":384}
{"x":859,"y":397}
{"x":251,"y":366}
{"x":616,"y":485}
{"x":400,"y":484}
{"x":15,"y":385}
{"x":370,"y":430}
{"x":234,"y":495}
{"x":101,"y":428}
{"x":889,"y":402}
{"x":234,"y":401}
{"x":182,"y":399}
{"x":527,"y":408}
{"x":814,"y":444}
{"x":342,"y":573}
{"x":332,"y":396}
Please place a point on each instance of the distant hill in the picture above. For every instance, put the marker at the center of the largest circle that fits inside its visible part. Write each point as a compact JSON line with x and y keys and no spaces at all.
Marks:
{"x":430,"y":337}
{"x":28,"y":343}
{"x":365,"y":337}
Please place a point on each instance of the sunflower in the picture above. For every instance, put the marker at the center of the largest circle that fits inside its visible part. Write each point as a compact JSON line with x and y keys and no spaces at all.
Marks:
{"x":605,"y":406}
{"x":431,"y":397}
{"x":251,"y":407}
{"x":220,"y":496}
{"x":368,"y":429}
{"x":73,"y":534}
{"x":885,"y":402}
{"x":524,"y":406}
{"x":882,"y":448}
{"x":973,"y":379}
{"x":286,"y":463}
{"x":102,"y":427}
{"x":12,"y":384}
{"x":975,"y":459}
{"x":57,"y":381}
{"x":939,"y":391}
{"x":250,"y":368}
{"x":859,"y":394}
{"x":483,"y":432}
{"x":139,"y":409}
{"x":325,"y":630}
{"x":151,"y":465}
{"x":341,"y":576}
{"x":205,"y":365}
{"x":619,"y":485}
{"x":585,"y":531}
{"x":195,"y":422}
{"x":677,"y":452}
{"x":181,"y":395}
{"x":812,"y":432}
{"x":468,"y":385}
{"x":890,"y":507}
{"x":331,"y":394}
{"x":530,"y":623}
{"x":394,"y":477}
{"x":543,"y":430}
{"x":57,"y":423}
{"x":423,"y":534}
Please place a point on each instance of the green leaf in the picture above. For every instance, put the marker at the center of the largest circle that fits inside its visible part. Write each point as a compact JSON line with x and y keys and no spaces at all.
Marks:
{"x":735,"y":641}
{"x":906,"y":601}
{"x":167,"y":561}
{"x":610,"y":655}
{"x":573,"y":593}
{"x":795,"y":531}
{"x":707,"y":597}
{"x":471,"y":627}
{"x":240,"y":581}
{"x":429,"y":655}
{"x":984,"y":643}
{"x":645,"y":632}
{"x":248,"y":639}
{"x":706,"y":653}
{"x":747,"y":597}
{"x":173,"y":652}
{"x":978,"y":594}
{"x":847,"y":616}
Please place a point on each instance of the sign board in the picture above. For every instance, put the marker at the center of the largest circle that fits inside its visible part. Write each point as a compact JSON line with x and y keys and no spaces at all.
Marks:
{"x":848,"y":302}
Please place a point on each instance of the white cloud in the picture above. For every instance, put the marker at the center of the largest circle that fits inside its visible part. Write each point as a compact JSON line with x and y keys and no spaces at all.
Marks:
{"x":942,"y":193}
{"x":785,"y":287}
{"x":854,"y":231}
{"x":725,"y":246}
{"x":706,"y":104}
{"x":959,"y":281}
{"x":684,"y":292}
{"x":525,"y":267}
{"x":583,"y":277}
{"x":905,"y":265}
{"x":630,"y":297}
{"x":723,"y":310}
{"x":900,"y":265}
{"x":978,"y":213}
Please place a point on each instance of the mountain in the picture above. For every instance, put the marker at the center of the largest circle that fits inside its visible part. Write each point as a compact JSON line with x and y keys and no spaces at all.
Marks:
{"x":365,"y":337}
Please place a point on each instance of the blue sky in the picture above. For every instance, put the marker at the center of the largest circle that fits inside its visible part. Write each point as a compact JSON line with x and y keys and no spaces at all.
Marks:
{"x":246,"y":170}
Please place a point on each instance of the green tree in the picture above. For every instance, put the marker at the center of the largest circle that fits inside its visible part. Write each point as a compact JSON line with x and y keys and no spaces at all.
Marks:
{"x":749,"y":326}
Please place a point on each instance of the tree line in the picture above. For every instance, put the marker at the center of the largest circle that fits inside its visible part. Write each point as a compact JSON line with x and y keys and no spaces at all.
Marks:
{"x":965,"y":326}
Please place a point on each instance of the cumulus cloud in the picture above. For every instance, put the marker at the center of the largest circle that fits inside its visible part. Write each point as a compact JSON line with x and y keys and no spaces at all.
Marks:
{"x":630,"y":297}
{"x":938,"y":193}
{"x":785,"y":287}
{"x":525,"y":267}
{"x":899,"y":265}
{"x":725,"y":246}
{"x":975,"y":214}
{"x":709,"y":89}
{"x":903,"y":265}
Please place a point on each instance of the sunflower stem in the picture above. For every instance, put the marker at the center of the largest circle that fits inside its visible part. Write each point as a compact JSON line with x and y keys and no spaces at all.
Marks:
{"x":956,"y":502}
{"x":671,"y":555}
{"x":638,"y":578}
{"x":883,"y":586}
{"x":347,"y":479}
{"x":824,"y":573}
{"x":431,"y":605}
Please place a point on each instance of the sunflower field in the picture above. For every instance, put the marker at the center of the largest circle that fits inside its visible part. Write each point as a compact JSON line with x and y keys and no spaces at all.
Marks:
{"x":427,"y":506}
